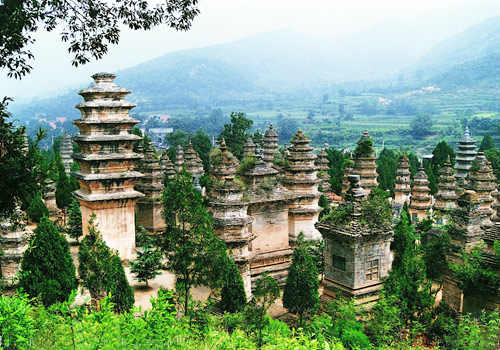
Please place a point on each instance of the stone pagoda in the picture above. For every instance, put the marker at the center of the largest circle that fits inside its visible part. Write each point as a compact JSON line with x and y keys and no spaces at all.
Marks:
{"x":149,"y":209}
{"x":483,"y":183}
{"x":229,"y":211}
{"x":66,"y":152}
{"x":270,"y":145}
{"x":249,"y":148}
{"x":192,"y":161}
{"x":421,"y":200}
{"x":179,"y":158}
{"x":167,"y":166}
{"x":49,"y":197}
{"x":402,"y":185}
{"x":465,"y":155}
{"x":301,"y":179}
{"x":106,"y":159}
{"x":446,"y":196}
{"x":357,"y":255}
{"x":322,"y":164}
{"x":348,"y":170}
{"x":365,"y":165}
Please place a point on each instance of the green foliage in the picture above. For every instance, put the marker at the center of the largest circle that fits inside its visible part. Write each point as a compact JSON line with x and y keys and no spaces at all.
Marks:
{"x":200,"y":141}
{"x":376,"y":210}
{"x":21,"y":173}
{"x":148,"y":263}
{"x":474,"y":274}
{"x":236,"y":133}
{"x":47,"y":269}
{"x":435,"y":246}
{"x":384,"y":325}
{"x":440,"y":155}
{"x":101,"y":272}
{"x":64,"y":187}
{"x":247,"y":164}
{"x":487,"y":143}
{"x":421,"y":126}
{"x":300,"y":295}
{"x":193,"y":252}
{"x":264,"y":295}
{"x":364,"y":148}
{"x":493,"y":155}
{"x":323,"y":203}
{"x":233,"y":297}
{"x":336,"y":162}
{"x":16,"y":322}
{"x":37,"y":209}
{"x":75,"y":220}
{"x":387,"y":163}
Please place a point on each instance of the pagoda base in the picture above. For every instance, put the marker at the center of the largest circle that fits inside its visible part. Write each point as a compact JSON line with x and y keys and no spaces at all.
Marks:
{"x":275,"y":263}
{"x":366,"y":295}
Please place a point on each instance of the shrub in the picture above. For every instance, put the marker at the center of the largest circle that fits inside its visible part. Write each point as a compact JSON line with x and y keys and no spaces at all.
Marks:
{"x":16,"y":322}
{"x":233,"y":297}
{"x":247,"y":164}
{"x":47,"y":269}
{"x":37,"y":209}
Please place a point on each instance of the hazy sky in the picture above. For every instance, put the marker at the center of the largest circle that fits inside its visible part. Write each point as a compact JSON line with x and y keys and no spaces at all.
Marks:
{"x":221,"y":21}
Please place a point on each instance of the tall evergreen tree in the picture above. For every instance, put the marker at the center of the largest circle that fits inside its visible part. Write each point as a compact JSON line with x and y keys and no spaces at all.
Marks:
{"x":337,"y":162}
{"x":148,"y":263}
{"x":101,"y":271}
{"x":47,"y":269}
{"x":75,"y":220}
{"x":300,"y":295}
{"x":236,"y":133}
{"x":387,"y":163}
{"x":37,"y":209}
{"x":193,"y":252}
{"x":487,"y":143}
{"x":64,"y":187}
{"x":233,"y":297}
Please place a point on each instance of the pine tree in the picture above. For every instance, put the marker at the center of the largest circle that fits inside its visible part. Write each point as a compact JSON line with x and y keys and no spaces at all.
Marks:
{"x":300,"y":295}
{"x":193,"y":252}
{"x":101,"y":271}
{"x":233,"y":297}
{"x":64,"y":188}
{"x":148,"y":263}
{"x":75,"y":220}
{"x":47,"y":269}
{"x":37,"y":209}
{"x":487,"y":143}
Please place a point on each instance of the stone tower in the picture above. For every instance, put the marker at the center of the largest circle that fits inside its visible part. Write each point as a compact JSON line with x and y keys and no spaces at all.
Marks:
{"x":465,"y":155}
{"x":302,"y":181}
{"x":192,"y":161}
{"x":106,"y":159}
{"x":402,"y":186}
{"x":49,"y":196}
{"x":483,"y":183}
{"x":348,"y":170}
{"x":357,"y":255}
{"x":179,"y":158}
{"x":66,"y":152}
{"x":322,"y":164}
{"x":149,"y":209}
{"x":446,"y":196}
{"x":249,"y":148}
{"x":229,"y":211}
{"x":421,"y":200}
{"x":167,"y":166}
{"x":365,"y":165}
{"x":270,"y":145}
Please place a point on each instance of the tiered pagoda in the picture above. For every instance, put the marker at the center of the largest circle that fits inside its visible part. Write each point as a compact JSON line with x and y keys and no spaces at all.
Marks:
{"x":106,"y":159}
{"x":66,"y":152}
{"x":302,"y":181}
{"x":421,"y":200}
{"x":402,"y":185}
{"x":270,"y":145}
{"x":192,"y":161}
{"x":49,"y":196}
{"x":348,"y":170}
{"x":179,"y":159}
{"x":249,"y":148}
{"x":229,"y":211}
{"x":365,"y":165}
{"x":447,"y":194}
{"x":465,"y":155}
{"x":322,"y":164}
{"x":483,"y":183}
{"x":167,"y":166}
{"x":149,"y":209}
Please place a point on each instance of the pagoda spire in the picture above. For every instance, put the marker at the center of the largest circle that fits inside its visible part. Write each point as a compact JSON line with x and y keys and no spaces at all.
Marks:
{"x":270,"y":145}
{"x":465,"y":156}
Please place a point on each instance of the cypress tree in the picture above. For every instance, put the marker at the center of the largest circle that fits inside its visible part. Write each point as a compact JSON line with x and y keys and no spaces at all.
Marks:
{"x":47,"y":270}
{"x":233,"y":297}
{"x":148,"y":263}
{"x":300,"y":295}
{"x":75,"y":220}
{"x":37,"y":209}
{"x":101,"y":271}
{"x":64,"y":188}
{"x":487,"y":143}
